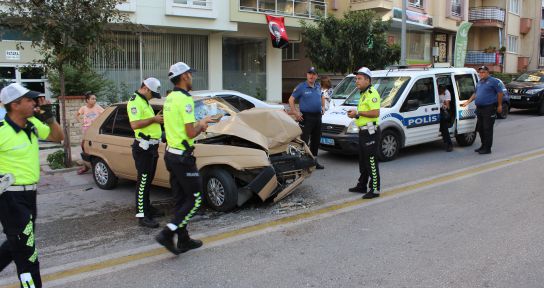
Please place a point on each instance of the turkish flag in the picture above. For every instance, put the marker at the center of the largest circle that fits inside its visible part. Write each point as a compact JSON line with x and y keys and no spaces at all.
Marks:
{"x":278,"y":35}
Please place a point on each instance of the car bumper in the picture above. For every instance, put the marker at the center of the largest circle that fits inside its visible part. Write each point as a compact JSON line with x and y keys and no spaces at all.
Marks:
{"x":525,"y":102}
{"x":343,"y":143}
{"x":85,"y":157}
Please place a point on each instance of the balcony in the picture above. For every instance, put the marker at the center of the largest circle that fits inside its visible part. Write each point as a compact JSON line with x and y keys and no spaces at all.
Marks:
{"x":525,"y":25}
{"x":383,"y":5}
{"x":292,"y":8}
{"x":478,"y":58}
{"x":487,"y":17}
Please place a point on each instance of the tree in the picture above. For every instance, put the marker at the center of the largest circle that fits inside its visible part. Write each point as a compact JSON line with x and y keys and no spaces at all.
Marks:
{"x":343,"y":45}
{"x":64,"y":31}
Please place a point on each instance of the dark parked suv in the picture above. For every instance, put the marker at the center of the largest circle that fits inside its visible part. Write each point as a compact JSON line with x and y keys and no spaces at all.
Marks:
{"x":527,"y":91}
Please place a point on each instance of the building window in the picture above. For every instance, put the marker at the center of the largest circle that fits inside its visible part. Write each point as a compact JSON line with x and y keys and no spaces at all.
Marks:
{"x":514,"y":6}
{"x":456,"y":8}
{"x":244,"y":66}
{"x":292,"y":52}
{"x":193,"y":3}
{"x":294,"y":8}
{"x":512,"y":45}
{"x":416,"y":3}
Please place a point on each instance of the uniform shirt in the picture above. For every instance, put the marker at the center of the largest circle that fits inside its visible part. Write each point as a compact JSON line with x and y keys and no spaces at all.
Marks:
{"x":444,"y":97}
{"x":369,"y":100}
{"x":138,"y":108}
{"x":486,"y":91}
{"x":179,"y":109}
{"x":19,"y":153}
{"x":309,"y":97}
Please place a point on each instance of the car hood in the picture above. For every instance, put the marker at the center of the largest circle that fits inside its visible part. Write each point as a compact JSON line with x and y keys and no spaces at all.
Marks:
{"x":524,"y":85}
{"x":267,"y":128}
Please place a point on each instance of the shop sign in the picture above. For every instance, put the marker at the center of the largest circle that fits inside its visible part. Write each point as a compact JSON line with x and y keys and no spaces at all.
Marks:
{"x":13,"y":55}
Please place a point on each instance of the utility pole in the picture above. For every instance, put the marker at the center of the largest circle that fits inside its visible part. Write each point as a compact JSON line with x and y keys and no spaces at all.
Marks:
{"x":403,"y":35}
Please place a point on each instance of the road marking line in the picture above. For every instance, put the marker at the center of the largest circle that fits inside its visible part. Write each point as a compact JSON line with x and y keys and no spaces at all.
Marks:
{"x":245,"y":232}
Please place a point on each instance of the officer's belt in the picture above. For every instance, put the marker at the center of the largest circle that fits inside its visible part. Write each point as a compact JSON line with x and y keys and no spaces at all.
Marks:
{"x":365,"y":127}
{"x":150,"y":141}
{"x":175,"y":151}
{"x":15,"y":188}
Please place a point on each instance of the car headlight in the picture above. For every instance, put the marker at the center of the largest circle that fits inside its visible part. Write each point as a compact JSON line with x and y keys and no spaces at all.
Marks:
{"x":534,"y":91}
{"x":352,"y":128}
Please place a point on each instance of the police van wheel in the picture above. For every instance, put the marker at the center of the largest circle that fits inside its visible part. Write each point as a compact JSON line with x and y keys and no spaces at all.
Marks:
{"x":389,"y":145}
{"x":220,"y":190}
{"x":102,"y":174}
{"x":465,"y":139}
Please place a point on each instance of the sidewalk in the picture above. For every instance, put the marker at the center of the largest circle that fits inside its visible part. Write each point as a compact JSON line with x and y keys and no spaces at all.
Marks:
{"x":63,"y":179}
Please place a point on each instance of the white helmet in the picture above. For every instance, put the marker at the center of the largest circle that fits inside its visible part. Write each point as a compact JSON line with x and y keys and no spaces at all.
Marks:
{"x":365,"y":71}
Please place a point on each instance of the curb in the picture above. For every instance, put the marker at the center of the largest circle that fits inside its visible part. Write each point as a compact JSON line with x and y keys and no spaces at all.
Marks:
{"x":48,"y":171}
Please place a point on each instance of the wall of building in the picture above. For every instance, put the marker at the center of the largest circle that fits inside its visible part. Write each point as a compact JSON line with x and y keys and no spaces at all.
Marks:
{"x":73,"y":103}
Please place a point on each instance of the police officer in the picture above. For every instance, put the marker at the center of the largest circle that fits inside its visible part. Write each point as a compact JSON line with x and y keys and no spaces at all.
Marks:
{"x":28,"y":119}
{"x":312,"y":107}
{"x":488,"y":102}
{"x":366,"y":117}
{"x":181,"y":128}
{"x":147,"y":131}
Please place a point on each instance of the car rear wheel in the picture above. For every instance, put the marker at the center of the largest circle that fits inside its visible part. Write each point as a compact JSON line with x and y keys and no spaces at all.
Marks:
{"x":220,"y":190}
{"x":505,"y":111}
{"x":102,"y":174}
{"x":389,"y":145}
{"x":541,"y":108}
{"x":466,"y":139}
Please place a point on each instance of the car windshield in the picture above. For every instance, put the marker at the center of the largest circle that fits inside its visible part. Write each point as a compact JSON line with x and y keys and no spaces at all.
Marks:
{"x":344,"y":88}
{"x":389,"y":88}
{"x":535,"y":76}
{"x":213,"y":106}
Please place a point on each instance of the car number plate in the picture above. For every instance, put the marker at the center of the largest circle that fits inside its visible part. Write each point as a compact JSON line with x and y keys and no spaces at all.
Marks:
{"x":327,"y":141}
{"x":515,"y":97}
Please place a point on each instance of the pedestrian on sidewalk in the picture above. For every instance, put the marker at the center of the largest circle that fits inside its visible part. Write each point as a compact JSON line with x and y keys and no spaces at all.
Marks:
{"x":145,"y":148}
{"x":85,"y":116}
{"x":29,"y":118}
{"x":445,"y":117}
{"x":488,"y":100}
{"x":326,"y":91}
{"x":311,"y":108}
{"x":366,"y":118}
{"x":181,"y":127}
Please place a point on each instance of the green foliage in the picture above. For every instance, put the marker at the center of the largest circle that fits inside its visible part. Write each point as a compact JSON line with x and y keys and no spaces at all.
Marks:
{"x":56,"y":160}
{"x":79,"y":81}
{"x":343,"y":45}
{"x":505,"y":77}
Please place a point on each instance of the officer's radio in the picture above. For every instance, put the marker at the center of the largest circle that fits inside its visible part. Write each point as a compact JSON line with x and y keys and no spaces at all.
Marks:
{"x":187,"y":157}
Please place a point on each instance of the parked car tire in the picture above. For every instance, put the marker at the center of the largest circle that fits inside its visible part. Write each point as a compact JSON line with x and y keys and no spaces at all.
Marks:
{"x":541,"y":108}
{"x":102,"y":175}
{"x":505,"y":111}
{"x":220,"y":190}
{"x":466,"y":139}
{"x":389,"y":145}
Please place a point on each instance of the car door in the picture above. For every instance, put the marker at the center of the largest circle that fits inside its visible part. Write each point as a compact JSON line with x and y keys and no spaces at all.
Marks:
{"x":421,"y":113}
{"x":465,"y":85}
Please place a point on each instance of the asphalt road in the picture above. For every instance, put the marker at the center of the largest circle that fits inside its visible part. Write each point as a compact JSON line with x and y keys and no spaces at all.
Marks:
{"x":478,"y":230}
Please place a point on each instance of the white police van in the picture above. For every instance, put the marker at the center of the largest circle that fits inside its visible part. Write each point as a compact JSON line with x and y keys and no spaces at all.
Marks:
{"x":410,"y":110}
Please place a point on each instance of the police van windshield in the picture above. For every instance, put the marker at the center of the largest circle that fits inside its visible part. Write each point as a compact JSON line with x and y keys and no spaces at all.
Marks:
{"x":389,"y":88}
{"x":344,"y":88}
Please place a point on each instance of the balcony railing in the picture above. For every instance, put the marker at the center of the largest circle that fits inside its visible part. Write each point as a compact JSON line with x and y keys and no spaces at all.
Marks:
{"x":486,"y":13}
{"x":479,"y":57}
{"x":293,"y":8}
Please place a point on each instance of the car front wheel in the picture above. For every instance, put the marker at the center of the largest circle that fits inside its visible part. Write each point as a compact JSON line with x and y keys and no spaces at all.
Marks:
{"x":220,"y":190}
{"x":465,"y":139}
{"x":389,"y":145}
{"x":102,"y":174}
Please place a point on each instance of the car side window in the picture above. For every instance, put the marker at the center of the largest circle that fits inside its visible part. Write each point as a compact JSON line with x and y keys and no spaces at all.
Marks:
{"x":465,"y":86}
{"x":117,"y":124}
{"x":423,"y":92}
{"x":237,"y":101}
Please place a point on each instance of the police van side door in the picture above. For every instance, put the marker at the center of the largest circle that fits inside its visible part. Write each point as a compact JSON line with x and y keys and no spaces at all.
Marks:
{"x":420,"y":112}
{"x":465,"y":85}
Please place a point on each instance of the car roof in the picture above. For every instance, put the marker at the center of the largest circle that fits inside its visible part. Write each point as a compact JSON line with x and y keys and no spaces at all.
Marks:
{"x":414,"y":72}
{"x":206,"y":92}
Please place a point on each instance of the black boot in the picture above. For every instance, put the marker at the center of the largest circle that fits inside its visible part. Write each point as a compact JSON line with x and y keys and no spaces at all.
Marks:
{"x":185,"y":243}
{"x":155,"y":212}
{"x":166,"y":239}
{"x":371,"y":195}
{"x":148,"y":222}
{"x":357,"y":189}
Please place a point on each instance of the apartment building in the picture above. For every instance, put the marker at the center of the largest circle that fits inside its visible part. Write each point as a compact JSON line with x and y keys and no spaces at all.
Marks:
{"x":505,"y":34}
{"x":226,"y":41}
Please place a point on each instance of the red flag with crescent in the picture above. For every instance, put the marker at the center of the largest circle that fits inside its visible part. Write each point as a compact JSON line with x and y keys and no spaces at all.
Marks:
{"x":278,"y":34}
